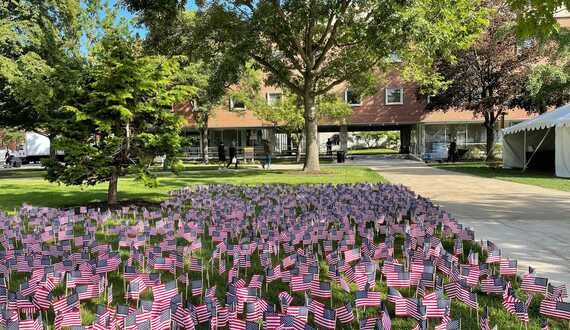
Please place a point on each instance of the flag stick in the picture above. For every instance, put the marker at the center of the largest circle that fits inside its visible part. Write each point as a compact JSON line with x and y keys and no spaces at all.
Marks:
{"x":478,"y":320}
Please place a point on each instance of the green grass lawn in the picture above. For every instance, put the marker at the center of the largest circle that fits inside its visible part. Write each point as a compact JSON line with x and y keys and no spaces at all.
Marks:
{"x":14,"y":191}
{"x":534,"y":178}
{"x":36,"y":191}
{"x":372,"y":151}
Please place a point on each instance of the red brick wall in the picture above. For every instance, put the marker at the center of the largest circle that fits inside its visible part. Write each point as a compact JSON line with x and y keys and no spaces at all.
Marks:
{"x":372,"y":111}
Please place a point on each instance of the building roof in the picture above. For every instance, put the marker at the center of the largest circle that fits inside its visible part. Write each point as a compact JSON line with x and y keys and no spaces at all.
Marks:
{"x":558,"y":117}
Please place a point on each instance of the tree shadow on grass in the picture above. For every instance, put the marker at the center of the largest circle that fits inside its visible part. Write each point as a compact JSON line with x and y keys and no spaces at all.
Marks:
{"x":13,"y":193}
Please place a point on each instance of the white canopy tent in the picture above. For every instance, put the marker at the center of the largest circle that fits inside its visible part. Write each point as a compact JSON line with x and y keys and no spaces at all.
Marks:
{"x":549,"y":131}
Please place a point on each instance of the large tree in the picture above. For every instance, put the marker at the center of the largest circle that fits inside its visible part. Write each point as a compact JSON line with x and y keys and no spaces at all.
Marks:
{"x":488,"y":78}
{"x":312,"y":46}
{"x":548,"y":82}
{"x":124,"y":118}
{"x":288,"y":113}
{"x":179,"y":32}
{"x":40,"y":63}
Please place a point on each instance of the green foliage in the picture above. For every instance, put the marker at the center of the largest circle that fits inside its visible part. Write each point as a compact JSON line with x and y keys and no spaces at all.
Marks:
{"x":39,"y":61}
{"x":288,"y":114}
{"x":489,"y":77}
{"x":536,"y":17}
{"x":344,"y":41}
{"x":388,"y":137}
{"x":547,"y":85}
{"x":548,"y":82}
{"x":125,"y":118}
{"x":8,"y":136}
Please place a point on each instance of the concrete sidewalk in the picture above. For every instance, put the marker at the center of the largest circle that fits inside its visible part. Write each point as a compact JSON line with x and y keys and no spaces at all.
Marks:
{"x":529,"y":223}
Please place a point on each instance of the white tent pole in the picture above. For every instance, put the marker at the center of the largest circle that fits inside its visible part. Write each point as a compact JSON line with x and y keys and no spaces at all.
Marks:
{"x":538,"y":147}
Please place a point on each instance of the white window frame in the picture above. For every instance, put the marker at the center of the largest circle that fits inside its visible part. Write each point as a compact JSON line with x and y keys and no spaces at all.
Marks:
{"x":274,"y":93}
{"x":351,"y":104}
{"x":233,"y":108}
{"x":401,"y":96}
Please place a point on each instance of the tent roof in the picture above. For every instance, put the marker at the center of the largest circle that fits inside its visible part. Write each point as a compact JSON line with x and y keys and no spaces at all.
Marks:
{"x":558,"y":117}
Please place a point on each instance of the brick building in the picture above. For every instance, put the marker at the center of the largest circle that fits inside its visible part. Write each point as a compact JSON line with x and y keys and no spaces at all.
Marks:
{"x":397,"y":105}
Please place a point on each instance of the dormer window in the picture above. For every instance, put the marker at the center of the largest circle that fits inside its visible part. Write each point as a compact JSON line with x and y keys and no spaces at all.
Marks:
{"x":394,"y":96}
{"x":274,"y":99}
{"x":236,"y":104}
{"x":352,"y":98}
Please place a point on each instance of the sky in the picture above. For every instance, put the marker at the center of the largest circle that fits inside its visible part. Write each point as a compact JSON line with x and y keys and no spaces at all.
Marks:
{"x":123,"y":12}
{"x":141,"y":30}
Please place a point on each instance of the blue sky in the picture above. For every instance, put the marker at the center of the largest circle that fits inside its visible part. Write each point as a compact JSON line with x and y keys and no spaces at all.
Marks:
{"x":140,"y":30}
{"x":124,"y":13}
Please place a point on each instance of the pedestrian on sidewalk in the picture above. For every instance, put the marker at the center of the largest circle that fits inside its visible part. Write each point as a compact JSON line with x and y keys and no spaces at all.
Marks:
{"x":452,"y":152}
{"x":221,"y":152}
{"x":267,"y":152}
{"x":233,"y":155}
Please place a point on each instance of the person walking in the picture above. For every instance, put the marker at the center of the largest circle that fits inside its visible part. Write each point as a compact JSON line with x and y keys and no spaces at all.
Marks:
{"x":452,"y":153}
{"x":267,"y":153}
{"x":221,"y":152}
{"x":233,"y":155}
{"x":7,"y":158}
{"x":329,"y":147}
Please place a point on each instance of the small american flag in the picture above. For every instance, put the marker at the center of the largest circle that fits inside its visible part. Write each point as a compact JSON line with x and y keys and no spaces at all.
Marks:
{"x":326,"y":319}
{"x":533,"y":284}
{"x":473,"y":258}
{"x":484,"y":321}
{"x":352,"y":255}
{"x":555,"y":309}
{"x":367,"y":298}
{"x":508,"y":267}
{"x":345,"y":314}
{"x":398,"y":280}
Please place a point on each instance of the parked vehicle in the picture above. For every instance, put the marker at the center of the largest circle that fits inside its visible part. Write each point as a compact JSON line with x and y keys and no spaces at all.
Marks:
{"x":34,"y":149}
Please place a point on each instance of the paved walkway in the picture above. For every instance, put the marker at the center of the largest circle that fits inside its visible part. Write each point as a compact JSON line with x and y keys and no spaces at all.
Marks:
{"x":529,"y":223}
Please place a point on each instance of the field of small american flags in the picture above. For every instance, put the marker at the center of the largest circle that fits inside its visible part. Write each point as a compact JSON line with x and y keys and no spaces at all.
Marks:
{"x":346,"y":256}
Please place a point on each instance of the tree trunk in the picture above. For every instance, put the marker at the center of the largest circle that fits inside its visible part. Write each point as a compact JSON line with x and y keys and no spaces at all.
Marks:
{"x":299,"y":140}
{"x":311,"y":135}
{"x":113,"y":186}
{"x":343,"y":138}
{"x":204,"y":151}
{"x":490,"y":144}
{"x":52,"y":153}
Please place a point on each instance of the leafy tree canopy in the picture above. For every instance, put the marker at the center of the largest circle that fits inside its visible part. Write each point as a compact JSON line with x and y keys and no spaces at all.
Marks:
{"x":39,"y":62}
{"x":125,"y":118}
{"x":537,"y":17}
{"x":489,"y":77}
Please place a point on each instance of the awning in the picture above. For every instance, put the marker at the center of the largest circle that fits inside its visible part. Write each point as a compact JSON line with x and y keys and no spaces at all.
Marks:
{"x":559,"y":118}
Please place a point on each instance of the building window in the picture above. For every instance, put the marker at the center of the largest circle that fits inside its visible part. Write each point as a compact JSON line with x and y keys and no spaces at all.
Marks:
{"x":394,"y":96}
{"x":352,"y":98}
{"x":274,"y":98}
{"x":236,"y":104}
